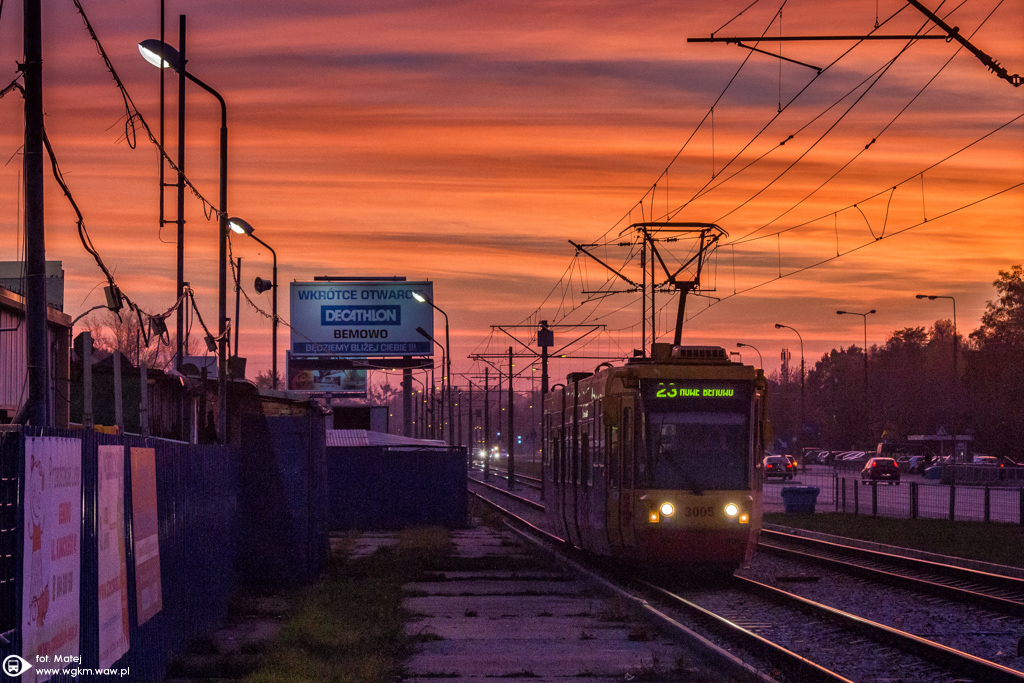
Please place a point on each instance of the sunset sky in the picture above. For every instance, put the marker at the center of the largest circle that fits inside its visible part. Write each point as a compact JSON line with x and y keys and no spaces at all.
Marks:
{"x":467,"y":142}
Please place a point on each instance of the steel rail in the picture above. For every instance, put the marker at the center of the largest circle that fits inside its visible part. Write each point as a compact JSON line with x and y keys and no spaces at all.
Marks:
{"x":975,"y":593}
{"x":955,"y":660}
{"x":519,"y":499}
{"x":725,"y":661}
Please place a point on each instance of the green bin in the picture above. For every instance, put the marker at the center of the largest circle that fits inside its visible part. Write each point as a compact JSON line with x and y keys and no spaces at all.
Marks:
{"x":800,"y":498}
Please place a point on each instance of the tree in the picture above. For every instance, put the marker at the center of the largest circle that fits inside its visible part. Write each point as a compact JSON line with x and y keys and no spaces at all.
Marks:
{"x":112,"y":332}
{"x":994,"y":377}
{"x":265,"y":380}
{"x":1003,"y":321}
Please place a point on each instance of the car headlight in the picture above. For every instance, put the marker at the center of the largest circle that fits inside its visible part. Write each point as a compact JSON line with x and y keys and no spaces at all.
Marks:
{"x":667,"y":509}
{"x":732,"y":510}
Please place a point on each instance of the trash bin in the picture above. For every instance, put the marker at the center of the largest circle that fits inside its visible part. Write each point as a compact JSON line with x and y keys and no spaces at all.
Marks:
{"x":800,"y":498}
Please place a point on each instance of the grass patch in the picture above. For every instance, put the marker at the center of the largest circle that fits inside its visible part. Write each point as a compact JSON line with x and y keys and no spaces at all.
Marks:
{"x":998,"y":543}
{"x":348,"y":627}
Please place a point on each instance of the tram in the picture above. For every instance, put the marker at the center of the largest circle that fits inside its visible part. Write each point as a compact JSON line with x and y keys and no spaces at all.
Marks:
{"x":658,"y":461}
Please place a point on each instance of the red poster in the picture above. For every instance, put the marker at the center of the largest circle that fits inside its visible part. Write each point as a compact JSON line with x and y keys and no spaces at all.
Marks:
{"x":145,"y":528}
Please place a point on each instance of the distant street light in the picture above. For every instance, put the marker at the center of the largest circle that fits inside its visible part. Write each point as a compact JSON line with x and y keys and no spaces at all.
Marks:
{"x":865,"y":317}
{"x":956,"y":336}
{"x":243,"y":228}
{"x":780,"y":326}
{"x":164,"y":56}
{"x":750,"y":346}
{"x":448,"y":356}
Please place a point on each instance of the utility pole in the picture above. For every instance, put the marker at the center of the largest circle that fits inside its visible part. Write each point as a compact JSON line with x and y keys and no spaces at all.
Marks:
{"x":35,"y":231}
{"x":511,"y":428}
{"x":487,"y":425}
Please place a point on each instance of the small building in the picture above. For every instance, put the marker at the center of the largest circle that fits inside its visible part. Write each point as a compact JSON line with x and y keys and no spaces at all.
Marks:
{"x":14,"y":352}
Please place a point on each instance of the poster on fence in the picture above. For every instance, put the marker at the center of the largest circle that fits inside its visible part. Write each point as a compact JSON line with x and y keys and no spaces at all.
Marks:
{"x":145,"y":528}
{"x":51,"y":559}
{"x":113,"y":574}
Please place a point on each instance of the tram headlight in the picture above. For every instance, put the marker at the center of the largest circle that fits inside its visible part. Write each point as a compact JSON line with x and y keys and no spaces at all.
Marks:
{"x":732,"y":510}
{"x":667,"y":509}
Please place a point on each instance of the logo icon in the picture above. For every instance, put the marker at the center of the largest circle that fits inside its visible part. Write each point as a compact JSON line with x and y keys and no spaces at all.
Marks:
{"x":15,"y":665}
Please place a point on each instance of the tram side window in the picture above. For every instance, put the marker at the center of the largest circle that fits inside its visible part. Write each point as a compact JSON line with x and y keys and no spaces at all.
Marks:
{"x":588,"y":465}
{"x":627,"y":448}
{"x":612,"y":457}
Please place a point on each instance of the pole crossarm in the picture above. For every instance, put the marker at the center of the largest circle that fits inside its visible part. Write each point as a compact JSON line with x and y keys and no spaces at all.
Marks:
{"x":775,"y":39}
{"x":505,"y":329}
{"x":953,"y":32}
{"x":580,"y":247}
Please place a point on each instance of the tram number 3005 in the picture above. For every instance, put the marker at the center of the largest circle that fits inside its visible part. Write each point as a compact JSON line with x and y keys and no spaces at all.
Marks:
{"x":707,"y":511}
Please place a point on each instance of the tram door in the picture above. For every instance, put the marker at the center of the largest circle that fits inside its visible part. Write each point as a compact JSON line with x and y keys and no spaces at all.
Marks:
{"x":627,"y":497}
{"x":613,"y":475}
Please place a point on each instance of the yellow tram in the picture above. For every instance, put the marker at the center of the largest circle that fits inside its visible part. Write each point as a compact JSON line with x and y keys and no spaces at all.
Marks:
{"x":658,"y":461}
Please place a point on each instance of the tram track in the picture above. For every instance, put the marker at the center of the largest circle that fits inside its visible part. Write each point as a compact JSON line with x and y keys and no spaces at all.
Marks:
{"x":782,"y":636}
{"x":1000,"y":593}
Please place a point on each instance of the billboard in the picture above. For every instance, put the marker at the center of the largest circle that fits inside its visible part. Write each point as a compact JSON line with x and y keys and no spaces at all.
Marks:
{"x":360,"y":319}
{"x":326,"y":376}
{"x":51,"y":561}
{"x":145,"y":529}
{"x":111,"y":565}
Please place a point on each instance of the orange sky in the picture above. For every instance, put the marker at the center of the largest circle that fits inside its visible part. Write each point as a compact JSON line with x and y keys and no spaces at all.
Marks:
{"x":466,"y":142}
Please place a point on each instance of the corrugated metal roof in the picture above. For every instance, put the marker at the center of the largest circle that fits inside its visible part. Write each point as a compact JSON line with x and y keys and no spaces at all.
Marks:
{"x":355,"y":438}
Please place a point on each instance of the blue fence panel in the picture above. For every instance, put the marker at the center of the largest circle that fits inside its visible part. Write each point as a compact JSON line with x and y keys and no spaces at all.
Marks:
{"x":380,"y":487}
{"x":197,"y":506}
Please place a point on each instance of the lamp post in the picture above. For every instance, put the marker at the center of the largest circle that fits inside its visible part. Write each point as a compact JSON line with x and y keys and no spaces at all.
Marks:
{"x":243,"y":228}
{"x":865,"y":317}
{"x":780,"y":326}
{"x":444,"y":356}
{"x":749,"y":346}
{"x":164,"y":56}
{"x":956,"y":336}
{"x":423,"y":299}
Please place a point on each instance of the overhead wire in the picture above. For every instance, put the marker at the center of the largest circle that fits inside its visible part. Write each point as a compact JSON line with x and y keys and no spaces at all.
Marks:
{"x":873,"y":79}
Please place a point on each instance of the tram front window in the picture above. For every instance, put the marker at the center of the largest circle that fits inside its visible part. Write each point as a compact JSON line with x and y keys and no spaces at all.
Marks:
{"x":697,"y":451}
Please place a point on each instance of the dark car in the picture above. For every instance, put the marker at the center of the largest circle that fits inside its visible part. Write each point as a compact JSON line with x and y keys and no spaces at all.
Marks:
{"x":881,"y":469}
{"x":778,"y":466}
{"x":916,"y":464}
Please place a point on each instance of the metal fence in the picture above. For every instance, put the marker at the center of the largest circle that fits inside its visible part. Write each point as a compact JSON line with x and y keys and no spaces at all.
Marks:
{"x":197,"y":508}
{"x":999,"y":500}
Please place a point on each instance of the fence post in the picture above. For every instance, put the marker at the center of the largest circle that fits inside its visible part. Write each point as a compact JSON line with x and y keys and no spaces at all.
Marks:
{"x":87,"y":414}
{"x":1020,"y":506}
{"x":988,"y":504}
{"x":118,"y":405}
{"x":913,"y":500}
{"x":952,"y":502}
{"x":835,"y":490}
{"x":856,"y":498}
{"x":844,"y":499}
{"x":874,"y":499}
{"x":143,"y":402}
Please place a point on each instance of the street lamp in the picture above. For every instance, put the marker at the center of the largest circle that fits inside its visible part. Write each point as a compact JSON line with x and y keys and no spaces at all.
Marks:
{"x":164,"y":56}
{"x":865,"y":317}
{"x":780,"y":326}
{"x":956,"y":336}
{"x":423,"y":299}
{"x":444,"y":356}
{"x":243,"y":228}
{"x":750,"y":346}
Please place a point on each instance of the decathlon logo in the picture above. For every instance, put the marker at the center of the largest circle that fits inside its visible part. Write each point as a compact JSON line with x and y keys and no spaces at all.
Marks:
{"x":360,"y":315}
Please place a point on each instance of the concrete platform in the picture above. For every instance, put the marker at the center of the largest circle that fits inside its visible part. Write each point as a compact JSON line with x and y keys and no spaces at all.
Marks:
{"x":534,"y":621}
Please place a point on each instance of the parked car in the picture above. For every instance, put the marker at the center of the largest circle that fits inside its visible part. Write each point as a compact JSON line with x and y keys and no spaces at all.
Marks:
{"x":792,"y":461}
{"x":881,"y":469}
{"x":915,"y":465}
{"x":778,"y":466}
{"x":986,"y":460}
